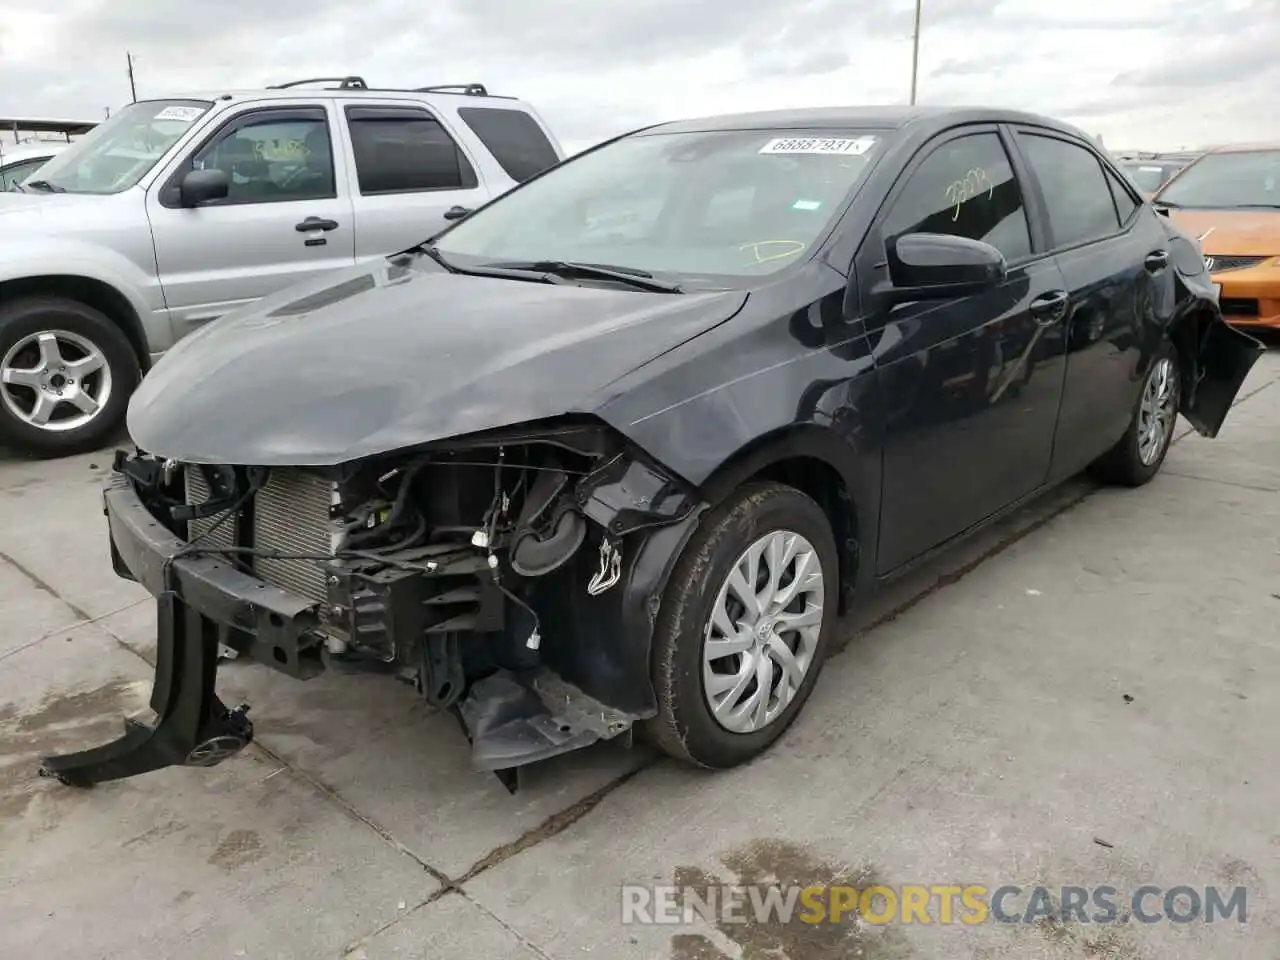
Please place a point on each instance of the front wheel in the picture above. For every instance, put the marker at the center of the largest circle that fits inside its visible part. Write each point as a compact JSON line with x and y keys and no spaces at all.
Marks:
{"x":744,"y":627}
{"x":66,"y":373}
{"x":1140,"y":453}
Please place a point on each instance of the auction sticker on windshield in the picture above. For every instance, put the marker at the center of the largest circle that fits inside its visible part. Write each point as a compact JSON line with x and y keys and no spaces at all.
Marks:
{"x":820,"y":145}
{"x":185,"y":114}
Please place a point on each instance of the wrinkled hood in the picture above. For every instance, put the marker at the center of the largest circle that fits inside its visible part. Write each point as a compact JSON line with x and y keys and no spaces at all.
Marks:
{"x":381,"y":357}
{"x":1240,"y":233}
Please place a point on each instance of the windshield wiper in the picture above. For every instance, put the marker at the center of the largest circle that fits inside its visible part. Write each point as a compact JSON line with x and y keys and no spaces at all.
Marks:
{"x":45,"y":185}
{"x":598,"y":271}
{"x":489,"y":270}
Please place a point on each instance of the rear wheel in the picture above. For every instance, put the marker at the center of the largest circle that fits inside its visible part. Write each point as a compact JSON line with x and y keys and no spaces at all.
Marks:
{"x":66,"y":373}
{"x":745,"y":625}
{"x":1140,"y":453}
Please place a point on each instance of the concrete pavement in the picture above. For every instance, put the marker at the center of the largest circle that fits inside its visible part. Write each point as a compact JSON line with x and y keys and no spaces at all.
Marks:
{"x":1101,"y":667}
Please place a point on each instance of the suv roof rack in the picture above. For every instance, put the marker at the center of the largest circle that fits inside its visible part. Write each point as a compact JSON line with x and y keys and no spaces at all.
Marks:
{"x":344,"y":83}
{"x":359,"y":83}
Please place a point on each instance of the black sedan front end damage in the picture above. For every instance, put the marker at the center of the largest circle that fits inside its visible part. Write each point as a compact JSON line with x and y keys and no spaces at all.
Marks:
{"x":513,"y":577}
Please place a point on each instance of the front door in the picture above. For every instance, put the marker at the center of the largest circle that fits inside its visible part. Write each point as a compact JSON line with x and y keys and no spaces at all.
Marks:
{"x":970,"y":386}
{"x":287,"y":217}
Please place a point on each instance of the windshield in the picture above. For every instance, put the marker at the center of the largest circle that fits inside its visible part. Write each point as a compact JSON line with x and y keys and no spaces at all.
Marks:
{"x":117,"y":153}
{"x":1223,"y":180}
{"x":1148,"y":176}
{"x":729,"y":203}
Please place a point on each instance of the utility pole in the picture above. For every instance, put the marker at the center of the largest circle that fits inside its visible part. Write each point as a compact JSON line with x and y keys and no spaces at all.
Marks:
{"x":915,"y":53}
{"x":133,"y":90}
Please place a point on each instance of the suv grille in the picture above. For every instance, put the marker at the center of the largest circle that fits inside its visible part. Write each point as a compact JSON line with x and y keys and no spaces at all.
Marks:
{"x":291,"y":515}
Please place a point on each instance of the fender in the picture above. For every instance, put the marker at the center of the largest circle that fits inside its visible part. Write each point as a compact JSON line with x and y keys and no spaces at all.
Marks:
{"x":57,"y":257}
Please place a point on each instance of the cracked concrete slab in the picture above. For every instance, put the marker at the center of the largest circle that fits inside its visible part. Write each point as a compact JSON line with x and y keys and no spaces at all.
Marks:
{"x":450,"y":928}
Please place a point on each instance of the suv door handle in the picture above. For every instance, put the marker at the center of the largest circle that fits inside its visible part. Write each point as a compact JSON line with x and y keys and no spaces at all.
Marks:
{"x":456,"y":213}
{"x":1156,"y":261}
{"x":1048,"y":308}
{"x":316,"y":223}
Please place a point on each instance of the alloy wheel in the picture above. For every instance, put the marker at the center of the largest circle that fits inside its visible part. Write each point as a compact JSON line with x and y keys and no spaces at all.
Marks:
{"x":55,"y":380}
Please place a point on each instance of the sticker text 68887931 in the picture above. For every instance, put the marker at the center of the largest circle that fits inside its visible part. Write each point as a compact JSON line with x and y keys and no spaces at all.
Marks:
{"x":838,"y":146}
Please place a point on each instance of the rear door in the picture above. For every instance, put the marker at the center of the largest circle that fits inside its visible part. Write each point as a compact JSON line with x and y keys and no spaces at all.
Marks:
{"x":287,"y":217}
{"x":407,"y":171}
{"x":1114,"y":255}
{"x":970,"y":386}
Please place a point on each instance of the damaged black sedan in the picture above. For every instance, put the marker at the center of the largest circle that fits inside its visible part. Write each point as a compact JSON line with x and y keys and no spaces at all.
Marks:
{"x":613,"y":452}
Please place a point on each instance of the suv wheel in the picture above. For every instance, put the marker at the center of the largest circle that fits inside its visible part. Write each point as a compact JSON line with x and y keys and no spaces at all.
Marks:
{"x":66,"y":373}
{"x":1140,"y":453}
{"x":745,"y":624}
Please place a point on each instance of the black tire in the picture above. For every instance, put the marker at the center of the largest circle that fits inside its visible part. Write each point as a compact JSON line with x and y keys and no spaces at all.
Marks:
{"x":685,"y":727}
{"x":32,"y":315}
{"x":1123,"y":464}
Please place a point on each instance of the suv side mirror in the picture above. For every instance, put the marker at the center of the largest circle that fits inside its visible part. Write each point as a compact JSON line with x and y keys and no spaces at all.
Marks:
{"x":201,"y":186}
{"x":934,"y":266}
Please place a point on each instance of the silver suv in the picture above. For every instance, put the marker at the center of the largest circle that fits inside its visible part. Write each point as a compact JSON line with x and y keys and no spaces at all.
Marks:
{"x":174,"y":212}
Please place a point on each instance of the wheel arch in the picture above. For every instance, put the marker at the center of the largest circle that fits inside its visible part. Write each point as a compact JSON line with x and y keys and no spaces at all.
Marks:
{"x":828,"y":468}
{"x":98,"y":294}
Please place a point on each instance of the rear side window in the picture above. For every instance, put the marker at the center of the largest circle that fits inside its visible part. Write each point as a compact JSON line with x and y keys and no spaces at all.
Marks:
{"x":966,"y":188}
{"x":403,"y":150}
{"x":514,"y":138}
{"x":1125,"y":204}
{"x":1075,"y":189}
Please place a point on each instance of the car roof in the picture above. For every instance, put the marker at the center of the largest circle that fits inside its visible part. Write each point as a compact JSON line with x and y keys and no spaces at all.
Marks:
{"x":863,"y":117}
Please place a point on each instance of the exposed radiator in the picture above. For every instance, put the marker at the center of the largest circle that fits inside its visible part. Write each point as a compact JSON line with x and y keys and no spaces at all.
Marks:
{"x":224,"y":532}
{"x":291,"y":515}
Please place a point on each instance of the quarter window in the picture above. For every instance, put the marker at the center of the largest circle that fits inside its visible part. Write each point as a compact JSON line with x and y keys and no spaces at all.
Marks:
{"x":1125,"y":204}
{"x":17,"y":172}
{"x":514,"y":138}
{"x":1079,"y":201}
{"x":273,"y":157}
{"x":967,"y":188}
{"x":402,"y":150}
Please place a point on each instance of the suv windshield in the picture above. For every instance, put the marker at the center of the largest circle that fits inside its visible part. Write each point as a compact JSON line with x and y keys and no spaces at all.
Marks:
{"x":117,"y":153}
{"x":730,"y":203}
{"x":1150,"y":175}
{"x":1222,"y":180}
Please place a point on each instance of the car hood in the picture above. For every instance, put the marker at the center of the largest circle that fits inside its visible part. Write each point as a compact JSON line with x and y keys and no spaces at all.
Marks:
{"x":1241,"y":233}
{"x":397,"y":354}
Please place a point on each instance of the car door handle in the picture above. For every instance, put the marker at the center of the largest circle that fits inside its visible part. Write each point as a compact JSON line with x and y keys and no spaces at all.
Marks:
{"x":1048,"y":308}
{"x":316,"y":223}
{"x":1156,"y":261}
{"x":456,"y":213}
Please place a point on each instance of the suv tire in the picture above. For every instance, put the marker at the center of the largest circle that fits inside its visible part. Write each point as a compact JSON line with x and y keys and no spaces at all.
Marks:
{"x":66,"y":374}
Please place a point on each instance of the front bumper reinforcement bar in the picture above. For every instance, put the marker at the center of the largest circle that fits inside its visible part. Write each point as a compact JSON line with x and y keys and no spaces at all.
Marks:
{"x":193,"y":727}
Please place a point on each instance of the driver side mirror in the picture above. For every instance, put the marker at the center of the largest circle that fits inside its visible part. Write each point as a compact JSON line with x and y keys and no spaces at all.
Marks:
{"x":199,"y":187}
{"x":937,"y":266}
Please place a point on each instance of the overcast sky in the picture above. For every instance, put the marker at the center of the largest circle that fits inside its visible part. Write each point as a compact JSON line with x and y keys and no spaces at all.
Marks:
{"x":1143,"y":73}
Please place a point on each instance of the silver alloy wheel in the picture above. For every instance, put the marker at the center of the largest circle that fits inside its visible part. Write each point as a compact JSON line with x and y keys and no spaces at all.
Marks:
{"x":1156,"y":413}
{"x":763,"y":632}
{"x":55,"y":380}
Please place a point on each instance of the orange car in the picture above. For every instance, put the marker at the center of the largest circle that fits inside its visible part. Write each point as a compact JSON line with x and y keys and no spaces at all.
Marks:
{"x":1229,"y":198}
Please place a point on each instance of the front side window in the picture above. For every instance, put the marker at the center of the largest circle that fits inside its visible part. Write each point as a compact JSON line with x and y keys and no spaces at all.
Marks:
{"x":19,"y":171}
{"x":403,"y":150}
{"x":728,"y":203}
{"x":1075,"y":189}
{"x":1239,"y":179}
{"x":965,"y":188}
{"x":270,"y":157}
{"x":119,"y":152}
